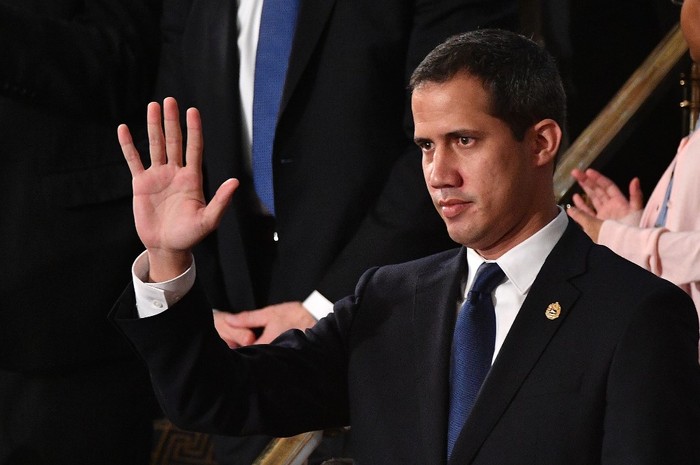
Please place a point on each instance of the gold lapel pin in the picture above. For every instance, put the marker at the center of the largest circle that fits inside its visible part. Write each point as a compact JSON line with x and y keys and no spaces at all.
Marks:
{"x":553,"y":311}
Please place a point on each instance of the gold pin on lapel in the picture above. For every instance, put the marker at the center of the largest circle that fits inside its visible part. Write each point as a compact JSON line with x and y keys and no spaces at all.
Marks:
{"x":553,"y":311}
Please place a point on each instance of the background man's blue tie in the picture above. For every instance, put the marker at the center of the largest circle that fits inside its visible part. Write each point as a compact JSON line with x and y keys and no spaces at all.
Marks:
{"x":277,"y":25}
{"x":472,"y":348}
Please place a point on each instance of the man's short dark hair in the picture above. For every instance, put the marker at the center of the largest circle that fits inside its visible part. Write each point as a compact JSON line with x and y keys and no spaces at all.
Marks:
{"x":520,"y":76}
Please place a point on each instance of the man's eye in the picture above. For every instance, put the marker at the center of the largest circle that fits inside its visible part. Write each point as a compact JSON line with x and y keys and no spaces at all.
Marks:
{"x":425,"y":145}
{"x":464,"y":140}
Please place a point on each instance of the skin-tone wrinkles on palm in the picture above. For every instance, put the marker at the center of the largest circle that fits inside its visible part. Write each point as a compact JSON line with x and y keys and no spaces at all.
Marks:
{"x":170,"y":212}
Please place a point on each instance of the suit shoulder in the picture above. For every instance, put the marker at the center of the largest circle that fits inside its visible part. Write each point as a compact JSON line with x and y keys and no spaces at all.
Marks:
{"x":423,"y":264}
{"x":619,"y":271}
{"x":401,"y":273}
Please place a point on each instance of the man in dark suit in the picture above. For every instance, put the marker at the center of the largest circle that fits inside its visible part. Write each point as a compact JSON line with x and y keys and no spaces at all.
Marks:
{"x":71,"y":390}
{"x":341,"y":134}
{"x":594,"y":359}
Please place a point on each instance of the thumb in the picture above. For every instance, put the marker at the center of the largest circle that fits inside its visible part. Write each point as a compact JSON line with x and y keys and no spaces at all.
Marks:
{"x":581,"y":205}
{"x":573,"y":212}
{"x":215,"y":210}
{"x":590,"y":224}
{"x":578,"y":215}
{"x":636,"y":195}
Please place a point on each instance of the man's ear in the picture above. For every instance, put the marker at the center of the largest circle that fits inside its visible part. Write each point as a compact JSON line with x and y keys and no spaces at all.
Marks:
{"x":546,"y":137}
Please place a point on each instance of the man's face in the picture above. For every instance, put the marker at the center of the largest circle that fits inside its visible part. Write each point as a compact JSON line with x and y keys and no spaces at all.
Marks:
{"x":481,"y":179}
{"x":690,"y":25}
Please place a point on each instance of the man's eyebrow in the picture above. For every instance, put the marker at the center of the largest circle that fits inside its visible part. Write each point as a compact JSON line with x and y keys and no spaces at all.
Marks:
{"x":466,"y":132}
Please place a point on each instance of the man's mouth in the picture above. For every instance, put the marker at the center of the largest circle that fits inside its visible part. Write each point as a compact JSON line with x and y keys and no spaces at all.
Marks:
{"x":451,"y":208}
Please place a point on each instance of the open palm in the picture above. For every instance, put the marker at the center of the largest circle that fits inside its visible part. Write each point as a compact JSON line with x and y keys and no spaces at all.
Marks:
{"x":608,"y":201}
{"x":170,"y":211}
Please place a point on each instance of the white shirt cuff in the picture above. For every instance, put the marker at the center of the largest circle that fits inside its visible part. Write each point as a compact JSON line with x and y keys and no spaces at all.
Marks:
{"x":318,"y":305}
{"x":155,"y":298}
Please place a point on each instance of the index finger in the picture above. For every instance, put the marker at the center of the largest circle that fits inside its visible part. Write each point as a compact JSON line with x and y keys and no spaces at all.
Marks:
{"x":129,"y":150}
{"x":594,"y":184}
{"x":247,"y":319}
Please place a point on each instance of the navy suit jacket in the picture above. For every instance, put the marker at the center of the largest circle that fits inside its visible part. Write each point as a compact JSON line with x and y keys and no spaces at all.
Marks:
{"x":614,"y":379}
{"x":349,"y":193}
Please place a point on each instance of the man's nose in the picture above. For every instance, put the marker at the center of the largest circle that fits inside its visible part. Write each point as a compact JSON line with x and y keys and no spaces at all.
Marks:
{"x":443,"y":172}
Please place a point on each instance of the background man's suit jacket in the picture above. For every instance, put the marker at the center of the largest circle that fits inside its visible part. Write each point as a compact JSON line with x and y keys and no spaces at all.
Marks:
{"x":65,"y":187}
{"x":349,"y":192}
{"x":614,"y":379}
{"x":70,"y":72}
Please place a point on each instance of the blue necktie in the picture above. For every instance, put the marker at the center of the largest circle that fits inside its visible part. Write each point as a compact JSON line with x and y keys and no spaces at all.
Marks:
{"x":277,"y":25}
{"x":472,"y":348}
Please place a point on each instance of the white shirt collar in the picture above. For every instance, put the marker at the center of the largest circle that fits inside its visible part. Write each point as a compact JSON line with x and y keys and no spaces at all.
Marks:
{"x":523,"y":262}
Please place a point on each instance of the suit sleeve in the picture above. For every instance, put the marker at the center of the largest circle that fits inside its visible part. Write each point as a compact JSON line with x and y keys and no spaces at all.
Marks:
{"x":403,"y":224}
{"x":298,"y":383}
{"x":88,"y":61}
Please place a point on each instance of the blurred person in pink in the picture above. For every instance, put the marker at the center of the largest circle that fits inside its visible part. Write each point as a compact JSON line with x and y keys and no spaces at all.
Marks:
{"x":664,"y":236}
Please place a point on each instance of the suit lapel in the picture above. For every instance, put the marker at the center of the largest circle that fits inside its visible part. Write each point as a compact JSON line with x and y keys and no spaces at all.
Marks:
{"x":312,"y":19}
{"x":214,"y":62}
{"x":526,"y":340}
{"x":437,"y":296}
{"x":213,"y":55}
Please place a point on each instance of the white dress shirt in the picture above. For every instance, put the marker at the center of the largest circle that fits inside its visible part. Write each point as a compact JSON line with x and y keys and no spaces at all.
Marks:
{"x":249,"y":13}
{"x":521,"y":264}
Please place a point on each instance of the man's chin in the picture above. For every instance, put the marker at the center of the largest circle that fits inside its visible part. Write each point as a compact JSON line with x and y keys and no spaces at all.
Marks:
{"x":459,"y":236}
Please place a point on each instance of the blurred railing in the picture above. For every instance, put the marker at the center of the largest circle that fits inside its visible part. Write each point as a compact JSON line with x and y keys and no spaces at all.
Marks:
{"x":290,"y":451}
{"x":609,"y":123}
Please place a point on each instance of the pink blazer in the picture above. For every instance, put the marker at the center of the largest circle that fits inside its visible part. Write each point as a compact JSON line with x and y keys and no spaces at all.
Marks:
{"x":672,"y":251}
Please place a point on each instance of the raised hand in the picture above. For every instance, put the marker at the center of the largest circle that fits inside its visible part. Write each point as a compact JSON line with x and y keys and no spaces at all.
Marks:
{"x":170,"y":211}
{"x":609,"y":203}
